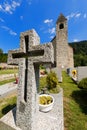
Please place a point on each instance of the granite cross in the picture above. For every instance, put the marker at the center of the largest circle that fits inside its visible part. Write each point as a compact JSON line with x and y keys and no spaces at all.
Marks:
{"x":30,"y":55}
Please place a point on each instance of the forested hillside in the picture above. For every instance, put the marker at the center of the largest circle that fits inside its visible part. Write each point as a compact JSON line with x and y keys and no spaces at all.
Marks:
{"x":3,"y":56}
{"x":80,"y":53}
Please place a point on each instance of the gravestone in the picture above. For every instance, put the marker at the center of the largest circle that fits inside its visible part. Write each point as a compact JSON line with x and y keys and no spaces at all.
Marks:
{"x":58,"y":72}
{"x":30,"y":55}
{"x":81,"y":73}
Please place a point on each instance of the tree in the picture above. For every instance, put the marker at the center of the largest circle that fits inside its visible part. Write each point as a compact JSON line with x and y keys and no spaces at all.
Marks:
{"x":80,"y":53}
{"x":1,"y":51}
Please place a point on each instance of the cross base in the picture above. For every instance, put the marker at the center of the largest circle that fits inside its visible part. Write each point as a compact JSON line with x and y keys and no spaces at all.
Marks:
{"x":52,"y":120}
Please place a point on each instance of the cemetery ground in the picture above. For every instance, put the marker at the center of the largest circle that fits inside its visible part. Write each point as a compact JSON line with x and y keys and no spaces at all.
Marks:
{"x":75,"y":104}
{"x":4,"y":73}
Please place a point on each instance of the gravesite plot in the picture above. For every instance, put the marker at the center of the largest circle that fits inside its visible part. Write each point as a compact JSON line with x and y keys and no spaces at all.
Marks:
{"x":26,"y":115}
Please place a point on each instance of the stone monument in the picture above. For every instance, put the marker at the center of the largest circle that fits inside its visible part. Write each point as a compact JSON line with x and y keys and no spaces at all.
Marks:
{"x":30,"y":55}
{"x":27,"y":115}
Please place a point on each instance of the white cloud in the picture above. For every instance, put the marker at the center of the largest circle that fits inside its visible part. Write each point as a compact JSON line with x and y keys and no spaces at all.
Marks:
{"x":2,"y":20}
{"x":52,"y":30}
{"x":78,"y":15}
{"x":48,"y":21}
{"x":73,"y":15}
{"x":11,"y":32}
{"x":15,"y":4}
{"x":85,"y":15}
{"x":9,"y":7}
{"x":75,"y":40}
{"x":1,"y":7}
{"x":4,"y":27}
{"x":70,"y":16}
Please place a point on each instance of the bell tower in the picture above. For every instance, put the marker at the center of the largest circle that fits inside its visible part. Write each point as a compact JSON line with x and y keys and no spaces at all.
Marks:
{"x":61,"y":42}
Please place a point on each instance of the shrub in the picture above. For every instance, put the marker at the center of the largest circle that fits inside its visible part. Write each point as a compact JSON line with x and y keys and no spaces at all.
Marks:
{"x":83,"y":84}
{"x":52,"y":80}
{"x":42,"y":67}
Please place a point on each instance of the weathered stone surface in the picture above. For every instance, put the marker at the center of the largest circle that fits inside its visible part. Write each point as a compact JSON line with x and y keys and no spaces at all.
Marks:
{"x":7,"y":122}
{"x":30,"y":55}
{"x":63,"y":53}
{"x":53,"y":120}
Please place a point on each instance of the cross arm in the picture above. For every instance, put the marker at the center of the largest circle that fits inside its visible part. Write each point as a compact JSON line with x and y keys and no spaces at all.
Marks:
{"x":11,"y":60}
{"x":48,"y":55}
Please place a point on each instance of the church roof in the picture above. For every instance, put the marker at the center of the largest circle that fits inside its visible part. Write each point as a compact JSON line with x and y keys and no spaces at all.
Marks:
{"x":61,"y":18}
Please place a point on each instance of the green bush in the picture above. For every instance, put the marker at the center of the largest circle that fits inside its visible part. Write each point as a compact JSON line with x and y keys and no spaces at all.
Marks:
{"x":83,"y":84}
{"x":42,"y":67}
{"x":52,"y":80}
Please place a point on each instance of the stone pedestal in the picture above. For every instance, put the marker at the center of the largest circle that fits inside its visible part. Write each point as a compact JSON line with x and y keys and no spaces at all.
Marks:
{"x":52,"y":120}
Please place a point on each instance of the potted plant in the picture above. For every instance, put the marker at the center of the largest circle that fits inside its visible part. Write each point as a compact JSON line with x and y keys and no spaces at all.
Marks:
{"x":45,"y":102}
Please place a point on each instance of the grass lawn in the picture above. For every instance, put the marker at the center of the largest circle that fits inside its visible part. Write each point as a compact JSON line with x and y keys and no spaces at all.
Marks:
{"x":8,"y":71}
{"x":7,"y":103}
{"x":7,"y":81}
{"x":75,"y":105}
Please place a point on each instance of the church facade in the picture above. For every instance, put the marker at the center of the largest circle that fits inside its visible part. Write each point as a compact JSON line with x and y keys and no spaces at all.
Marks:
{"x":63,"y":53}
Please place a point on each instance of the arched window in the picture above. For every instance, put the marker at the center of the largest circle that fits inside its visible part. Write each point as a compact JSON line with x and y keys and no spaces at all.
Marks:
{"x":61,"y":26}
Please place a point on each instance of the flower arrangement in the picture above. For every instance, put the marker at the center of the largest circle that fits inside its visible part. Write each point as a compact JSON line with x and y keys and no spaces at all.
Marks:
{"x":74,"y":73}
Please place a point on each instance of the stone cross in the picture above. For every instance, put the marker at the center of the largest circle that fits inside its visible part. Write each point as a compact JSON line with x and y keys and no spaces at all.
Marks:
{"x":30,"y":55}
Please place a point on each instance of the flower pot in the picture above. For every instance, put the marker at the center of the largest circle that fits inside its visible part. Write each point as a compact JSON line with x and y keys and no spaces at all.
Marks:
{"x":46,"y":106}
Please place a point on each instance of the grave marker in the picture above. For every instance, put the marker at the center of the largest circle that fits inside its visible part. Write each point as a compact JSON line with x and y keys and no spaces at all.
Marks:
{"x":30,"y":55}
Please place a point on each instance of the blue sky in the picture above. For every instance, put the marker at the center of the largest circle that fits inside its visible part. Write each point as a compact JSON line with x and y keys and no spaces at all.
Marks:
{"x":17,"y":16}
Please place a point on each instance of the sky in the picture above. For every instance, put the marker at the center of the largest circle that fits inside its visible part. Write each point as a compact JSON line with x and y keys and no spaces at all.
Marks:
{"x":18,"y":16}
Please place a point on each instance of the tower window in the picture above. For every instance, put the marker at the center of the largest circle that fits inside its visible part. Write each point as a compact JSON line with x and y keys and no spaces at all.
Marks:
{"x":61,"y":26}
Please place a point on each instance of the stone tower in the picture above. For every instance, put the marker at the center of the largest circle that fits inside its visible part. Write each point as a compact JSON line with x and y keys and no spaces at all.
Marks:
{"x":63,"y":53}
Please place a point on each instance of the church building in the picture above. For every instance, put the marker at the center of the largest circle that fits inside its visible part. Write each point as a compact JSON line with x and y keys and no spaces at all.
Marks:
{"x":63,"y":52}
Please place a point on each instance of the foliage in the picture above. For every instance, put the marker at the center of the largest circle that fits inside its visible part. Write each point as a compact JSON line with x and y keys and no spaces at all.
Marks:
{"x":52,"y":80}
{"x":42,"y":83}
{"x":80,"y":53}
{"x":42,"y":67}
{"x":83,"y":84}
{"x":3,"y":58}
{"x":1,"y":51}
